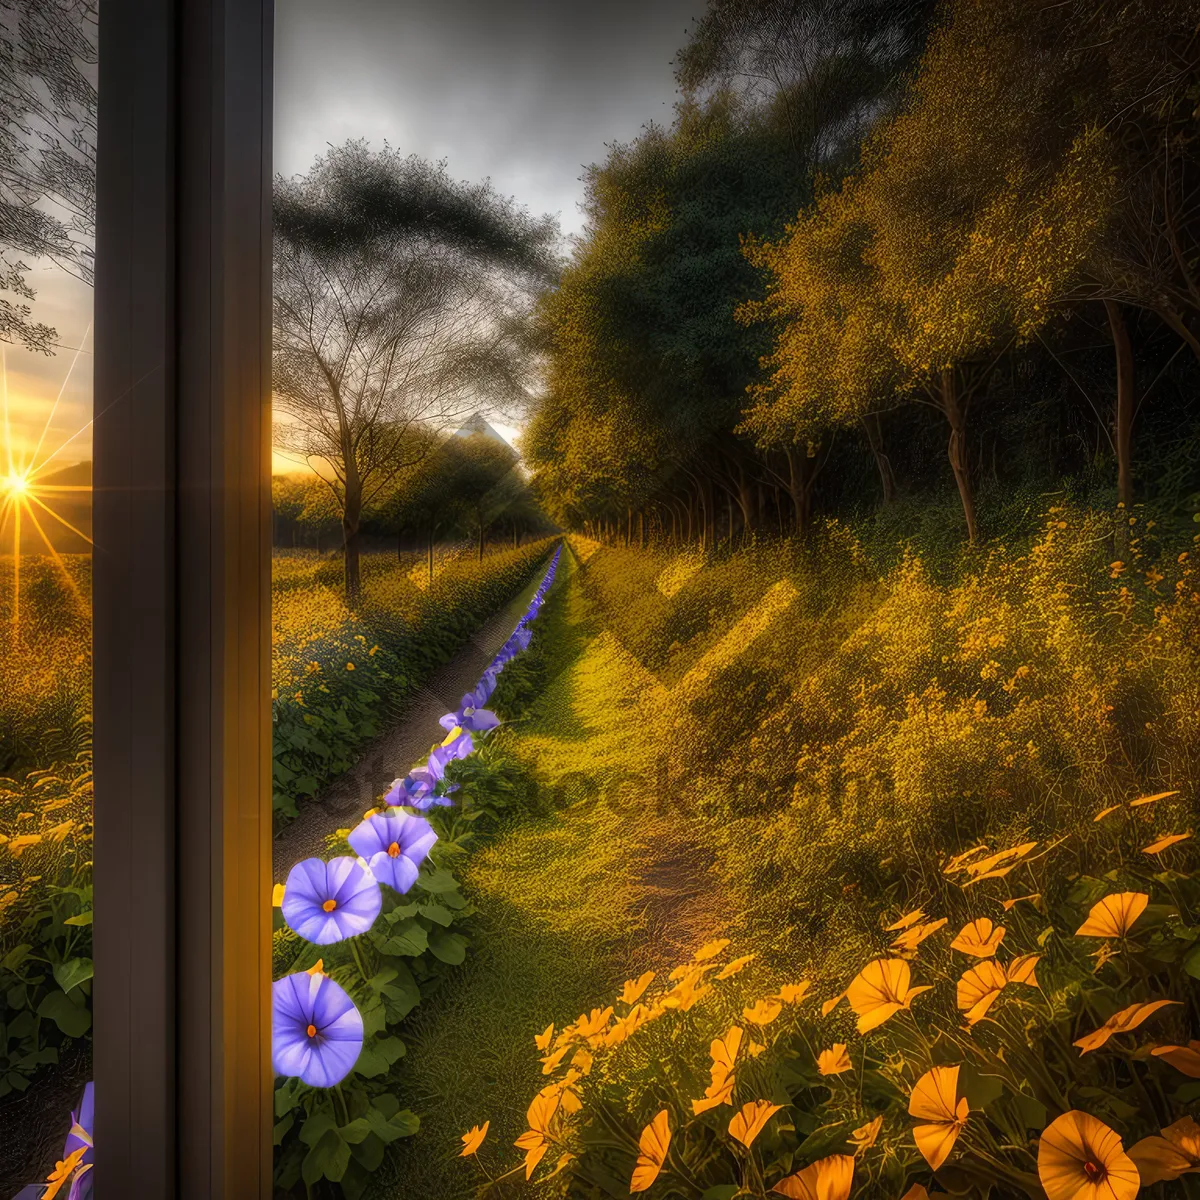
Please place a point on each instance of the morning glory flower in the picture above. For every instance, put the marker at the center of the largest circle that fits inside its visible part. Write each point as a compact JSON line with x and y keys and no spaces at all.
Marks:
{"x":472,"y":717}
{"x":325,"y":902}
{"x":394,"y":845}
{"x":316,"y":1031}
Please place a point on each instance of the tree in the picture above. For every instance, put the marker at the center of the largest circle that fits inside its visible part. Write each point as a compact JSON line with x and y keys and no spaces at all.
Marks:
{"x":47,"y":152}
{"x":400,"y":297}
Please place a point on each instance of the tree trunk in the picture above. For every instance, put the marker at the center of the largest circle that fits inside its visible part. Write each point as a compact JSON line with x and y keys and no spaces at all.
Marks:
{"x":874,"y":431}
{"x":956,"y":414}
{"x":799,"y":488}
{"x":431,"y":554}
{"x":481,"y":541}
{"x":1123,"y":424}
{"x":641,"y":531}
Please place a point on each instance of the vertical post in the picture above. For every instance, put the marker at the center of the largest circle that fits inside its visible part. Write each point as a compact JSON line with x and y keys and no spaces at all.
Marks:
{"x":182,"y":601}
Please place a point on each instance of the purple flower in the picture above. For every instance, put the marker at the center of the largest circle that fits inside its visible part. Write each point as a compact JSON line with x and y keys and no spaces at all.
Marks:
{"x":472,"y":717}
{"x":327,"y":901}
{"x":316,"y":1032}
{"x":394,"y":845}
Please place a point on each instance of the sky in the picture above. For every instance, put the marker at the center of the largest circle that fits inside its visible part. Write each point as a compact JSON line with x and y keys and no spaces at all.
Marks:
{"x":526,"y":92}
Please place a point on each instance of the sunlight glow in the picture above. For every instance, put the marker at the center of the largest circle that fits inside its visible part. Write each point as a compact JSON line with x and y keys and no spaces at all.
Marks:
{"x":20,"y":493}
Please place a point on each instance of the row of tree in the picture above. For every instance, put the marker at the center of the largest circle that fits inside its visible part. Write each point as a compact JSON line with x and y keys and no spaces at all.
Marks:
{"x":986,"y":211}
{"x":454,"y":487}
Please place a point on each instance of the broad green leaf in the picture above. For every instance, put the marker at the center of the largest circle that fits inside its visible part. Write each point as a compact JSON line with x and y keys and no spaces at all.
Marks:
{"x":73,"y":972}
{"x":72,"y":1019}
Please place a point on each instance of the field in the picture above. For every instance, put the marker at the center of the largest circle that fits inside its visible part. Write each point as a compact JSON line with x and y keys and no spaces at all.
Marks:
{"x":757,"y":773}
{"x":404,"y":627}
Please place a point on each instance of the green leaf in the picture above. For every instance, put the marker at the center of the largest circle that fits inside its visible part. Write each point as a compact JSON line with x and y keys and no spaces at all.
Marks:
{"x":16,"y":956}
{"x":355,"y":1132}
{"x":438,"y":914}
{"x":328,"y":1158}
{"x":316,"y":1127}
{"x":437,"y":881}
{"x":1191,"y":962}
{"x":378,"y":1054}
{"x":409,"y":940}
{"x":83,"y":918}
{"x":723,"y":1191}
{"x":73,"y":972}
{"x":450,"y":948}
{"x":400,"y":1124}
{"x":72,"y":1019}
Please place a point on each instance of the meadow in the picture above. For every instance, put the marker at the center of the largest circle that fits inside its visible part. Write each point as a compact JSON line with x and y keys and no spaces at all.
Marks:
{"x":338,"y":676}
{"x":830,"y":876}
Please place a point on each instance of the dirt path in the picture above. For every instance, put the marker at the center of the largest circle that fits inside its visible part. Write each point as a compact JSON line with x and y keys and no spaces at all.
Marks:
{"x":399,"y":748}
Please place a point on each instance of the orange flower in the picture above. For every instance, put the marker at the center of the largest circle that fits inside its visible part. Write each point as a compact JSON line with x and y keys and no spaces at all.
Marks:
{"x":653,"y":1143}
{"x":635,"y":987}
{"x":473,"y":1140}
{"x":793,"y":993}
{"x":863,"y":1138}
{"x":63,"y":1171}
{"x":715,"y":1095}
{"x":935,"y":1102}
{"x":1114,"y":916}
{"x":1183,"y":1058}
{"x":980,"y":988}
{"x":979,"y":938}
{"x":748,"y":1123}
{"x":910,"y":939}
{"x":1081,"y":1158}
{"x":534,"y":1140}
{"x":723,"y":1053}
{"x":1112,"y":808}
{"x":763,"y":1012}
{"x":596,"y":1023}
{"x":835,"y":1060}
{"x":551,"y":1062}
{"x":1151,"y":799}
{"x":1022,"y":970}
{"x":1122,"y":1022}
{"x":826,"y":1179}
{"x":1033,"y":898}
{"x":737,"y":964}
{"x":710,"y":950}
{"x":754,"y":1049}
{"x":1176,"y":1153}
{"x":542,"y":1040}
{"x":829,"y":1005}
{"x":910,"y":918}
{"x":880,"y":990}
{"x":990,"y":868}
{"x":1170,"y":839}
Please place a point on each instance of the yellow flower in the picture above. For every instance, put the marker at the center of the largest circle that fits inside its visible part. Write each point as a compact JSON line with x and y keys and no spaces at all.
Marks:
{"x":1121,"y":1022}
{"x":863,"y":1138}
{"x":1170,"y":839}
{"x":979,"y":988}
{"x":748,"y":1123}
{"x":880,"y":990}
{"x":763,"y":1012}
{"x":1175,"y":1153}
{"x":835,"y":1060}
{"x":827,"y":1179}
{"x":62,"y":1172}
{"x":1151,"y":799}
{"x":979,"y":938}
{"x":1114,"y":916}
{"x":1081,"y":1158}
{"x":474,"y":1139}
{"x":652,"y":1147}
{"x":1183,"y":1058}
{"x":635,"y":987}
{"x":936,"y":1103}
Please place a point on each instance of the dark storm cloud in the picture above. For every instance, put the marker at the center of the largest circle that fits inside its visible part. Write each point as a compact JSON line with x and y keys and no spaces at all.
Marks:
{"x":526,"y":92}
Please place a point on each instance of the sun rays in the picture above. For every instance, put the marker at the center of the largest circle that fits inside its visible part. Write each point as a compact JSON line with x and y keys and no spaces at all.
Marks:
{"x":27,"y":506}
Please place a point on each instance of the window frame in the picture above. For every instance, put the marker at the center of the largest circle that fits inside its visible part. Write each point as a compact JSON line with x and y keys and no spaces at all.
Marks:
{"x":181,"y":600}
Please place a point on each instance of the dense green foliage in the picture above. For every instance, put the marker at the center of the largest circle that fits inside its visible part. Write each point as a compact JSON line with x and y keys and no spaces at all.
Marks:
{"x":991,"y":256}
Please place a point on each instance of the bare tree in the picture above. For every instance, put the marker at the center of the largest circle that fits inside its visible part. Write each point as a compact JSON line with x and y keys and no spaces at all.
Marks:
{"x":47,"y":152}
{"x":400,"y":299}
